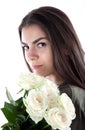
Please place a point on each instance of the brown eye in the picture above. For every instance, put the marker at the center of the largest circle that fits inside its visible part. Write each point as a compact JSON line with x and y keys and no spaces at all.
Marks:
{"x":41,"y":44}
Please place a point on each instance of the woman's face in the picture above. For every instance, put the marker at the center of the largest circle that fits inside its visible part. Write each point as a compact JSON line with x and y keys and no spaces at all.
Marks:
{"x":37,"y":50}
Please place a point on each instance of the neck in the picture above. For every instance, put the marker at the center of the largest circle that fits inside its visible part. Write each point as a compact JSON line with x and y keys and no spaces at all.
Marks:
{"x":55,"y":79}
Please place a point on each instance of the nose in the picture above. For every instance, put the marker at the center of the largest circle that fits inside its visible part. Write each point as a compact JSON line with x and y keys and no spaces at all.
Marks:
{"x":32,"y":54}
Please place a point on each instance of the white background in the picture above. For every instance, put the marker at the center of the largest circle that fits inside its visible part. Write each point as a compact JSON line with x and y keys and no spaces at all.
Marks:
{"x":11,"y":58}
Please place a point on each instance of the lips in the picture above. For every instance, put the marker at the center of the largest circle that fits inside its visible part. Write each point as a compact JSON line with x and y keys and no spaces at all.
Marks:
{"x":36,"y":66}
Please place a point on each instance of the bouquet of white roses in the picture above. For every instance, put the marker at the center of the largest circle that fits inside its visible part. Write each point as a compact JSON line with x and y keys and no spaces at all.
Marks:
{"x":41,"y":107}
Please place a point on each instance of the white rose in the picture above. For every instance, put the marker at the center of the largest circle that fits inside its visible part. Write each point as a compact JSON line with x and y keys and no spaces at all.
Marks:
{"x":51,"y":92}
{"x":35,"y":105}
{"x":68,"y":105}
{"x":58,"y":119}
{"x":30,"y":80}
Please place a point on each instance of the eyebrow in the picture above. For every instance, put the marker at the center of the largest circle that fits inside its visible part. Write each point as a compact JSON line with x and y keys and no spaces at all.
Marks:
{"x":37,"y":40}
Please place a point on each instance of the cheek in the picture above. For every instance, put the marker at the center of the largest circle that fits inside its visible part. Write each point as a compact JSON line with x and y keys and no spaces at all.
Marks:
{"x":48,"y":57}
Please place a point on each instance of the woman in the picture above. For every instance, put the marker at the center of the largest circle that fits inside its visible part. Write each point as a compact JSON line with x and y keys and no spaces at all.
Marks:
{"x":52,"y":49}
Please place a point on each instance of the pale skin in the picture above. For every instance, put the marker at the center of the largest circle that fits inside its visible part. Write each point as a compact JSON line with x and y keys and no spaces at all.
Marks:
{"x":38,"y":52}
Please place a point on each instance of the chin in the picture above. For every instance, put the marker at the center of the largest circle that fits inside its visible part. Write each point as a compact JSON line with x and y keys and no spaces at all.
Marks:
{"x":40,"y":74}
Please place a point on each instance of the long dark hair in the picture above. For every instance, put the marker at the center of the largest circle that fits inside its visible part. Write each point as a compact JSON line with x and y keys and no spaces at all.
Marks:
{"x":67,"y":51}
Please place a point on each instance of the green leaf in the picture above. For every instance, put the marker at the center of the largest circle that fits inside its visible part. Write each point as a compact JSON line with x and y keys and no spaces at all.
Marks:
{"x":9,"y":115}
{"x":5,"y":128}
{"x":9,"y":111}
{"x":10,"y":97}
{"x":11,"y":126}
{"x":10,"y":107}
{"x":19,"y":101}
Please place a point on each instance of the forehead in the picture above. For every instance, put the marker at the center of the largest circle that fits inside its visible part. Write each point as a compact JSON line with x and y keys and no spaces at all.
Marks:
{"x":32,"y":32}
